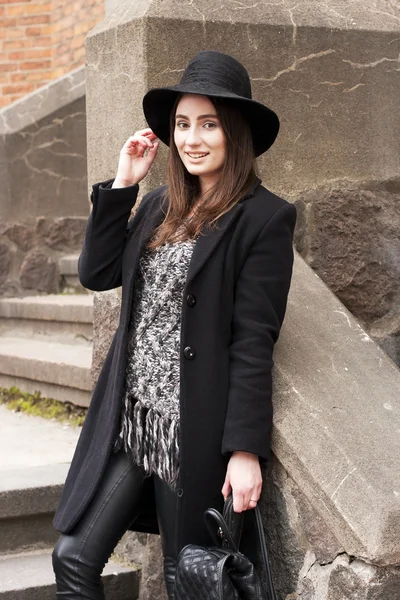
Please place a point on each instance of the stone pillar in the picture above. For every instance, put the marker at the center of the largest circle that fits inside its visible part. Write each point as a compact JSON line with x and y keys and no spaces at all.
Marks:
{"x":332,"y":496}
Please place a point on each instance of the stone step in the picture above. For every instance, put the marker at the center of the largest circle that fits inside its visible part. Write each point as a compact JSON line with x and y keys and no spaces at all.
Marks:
{"x":56,"y":316}
{"x":58,"y":370}
{"x":68,"y":267}
{"x":35,"y":455}
{"x":28,"y":499}
{"x":31,"y":577}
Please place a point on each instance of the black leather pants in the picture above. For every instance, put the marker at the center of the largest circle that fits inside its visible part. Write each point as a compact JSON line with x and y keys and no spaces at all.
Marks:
{"x":80,"y":556}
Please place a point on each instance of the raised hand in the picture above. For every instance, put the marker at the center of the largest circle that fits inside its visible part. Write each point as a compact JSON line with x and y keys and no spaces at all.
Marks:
{"x":134,"y":163}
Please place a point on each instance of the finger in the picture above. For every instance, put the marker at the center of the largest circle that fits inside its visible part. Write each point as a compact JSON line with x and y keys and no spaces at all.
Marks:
{"x":146,"y":131}
{"x":252,"y":503}
{"x":151,"y":136}
{"x":152,"y":153}
{"x":226,"y":489}
{"x":135,"y":140}
{"x":148,"y":142}
{"x":142,"y":141}
{"x":238,"y":502}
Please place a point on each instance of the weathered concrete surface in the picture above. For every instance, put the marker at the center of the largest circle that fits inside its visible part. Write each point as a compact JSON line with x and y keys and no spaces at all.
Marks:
{"x":43,"y":197}
{"x":65,"y":309}
{"x":46,"y":345}
{"x":63,"y":364}
{"x":321,"y":65}
{"x":337,"y":417}
{"x":43,"y":152}
{"x":31,"y":577}
{"x":349,"y":234}
{"x":106,"y":309}
{"x":28,"y":441}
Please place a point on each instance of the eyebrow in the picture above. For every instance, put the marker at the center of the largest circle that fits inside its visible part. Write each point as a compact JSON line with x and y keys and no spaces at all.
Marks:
{"x":198,"y":118}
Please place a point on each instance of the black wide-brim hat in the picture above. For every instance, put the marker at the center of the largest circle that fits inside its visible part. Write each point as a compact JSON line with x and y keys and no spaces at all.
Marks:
{"x":213,"y":74}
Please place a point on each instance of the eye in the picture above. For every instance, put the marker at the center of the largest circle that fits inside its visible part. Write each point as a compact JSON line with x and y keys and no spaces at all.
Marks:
{"x":180,"y":124}
{"x":210,"y":123}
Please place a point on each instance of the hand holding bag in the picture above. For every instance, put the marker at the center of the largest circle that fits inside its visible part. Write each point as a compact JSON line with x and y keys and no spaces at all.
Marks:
{"x":222,"y":572}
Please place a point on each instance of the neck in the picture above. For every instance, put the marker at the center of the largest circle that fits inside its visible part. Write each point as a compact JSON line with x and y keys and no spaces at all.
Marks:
{"x":206,"y":183}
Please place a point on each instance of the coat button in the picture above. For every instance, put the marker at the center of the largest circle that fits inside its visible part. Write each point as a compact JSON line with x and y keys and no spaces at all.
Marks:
{"x":189,"y":353}
{"x":180,"y":492}
{"x":191,"y":299}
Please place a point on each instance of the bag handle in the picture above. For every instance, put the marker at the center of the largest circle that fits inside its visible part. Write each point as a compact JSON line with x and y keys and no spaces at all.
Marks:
{"x":264,"y":552}
{"x":212,"y":516}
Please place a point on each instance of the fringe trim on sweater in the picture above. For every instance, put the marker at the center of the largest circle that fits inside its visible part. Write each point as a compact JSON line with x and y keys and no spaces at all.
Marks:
{"x":152,"y":440}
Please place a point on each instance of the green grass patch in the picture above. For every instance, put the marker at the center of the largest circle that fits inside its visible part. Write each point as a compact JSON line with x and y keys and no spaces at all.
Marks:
{"x":48,"y":408}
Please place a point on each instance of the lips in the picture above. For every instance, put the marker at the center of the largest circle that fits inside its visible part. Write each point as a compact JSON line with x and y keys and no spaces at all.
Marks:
{"x":196,"y":156}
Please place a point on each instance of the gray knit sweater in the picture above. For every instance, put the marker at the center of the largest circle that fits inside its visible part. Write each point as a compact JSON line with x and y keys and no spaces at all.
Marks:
{"x":150,"y":412}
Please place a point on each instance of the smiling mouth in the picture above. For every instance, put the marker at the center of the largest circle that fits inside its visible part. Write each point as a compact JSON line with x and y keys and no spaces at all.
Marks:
{"x":196,"y":155}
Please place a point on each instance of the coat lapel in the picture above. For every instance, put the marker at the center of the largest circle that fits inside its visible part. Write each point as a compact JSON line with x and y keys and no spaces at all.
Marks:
{"x":209,"y":238}
{"x":208,"y":241}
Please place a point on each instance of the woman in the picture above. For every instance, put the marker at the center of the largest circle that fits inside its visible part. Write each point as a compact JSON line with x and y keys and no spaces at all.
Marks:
{"x":181,"y":414}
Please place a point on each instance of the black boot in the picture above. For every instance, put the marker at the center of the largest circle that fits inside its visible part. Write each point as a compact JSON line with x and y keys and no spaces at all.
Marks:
{"x":169,"y":576}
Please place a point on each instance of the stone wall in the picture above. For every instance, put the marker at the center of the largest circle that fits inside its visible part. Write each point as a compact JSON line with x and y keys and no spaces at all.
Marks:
{"x":307,"y":560}
{"x":349,"y":234}
{"x":43,"y":199}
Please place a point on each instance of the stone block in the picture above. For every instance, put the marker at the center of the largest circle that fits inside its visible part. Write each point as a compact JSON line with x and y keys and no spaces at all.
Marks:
{"x":68,"y":265}
{"x":106,"y":310}
{"x":10,"y":288}
{"x":39,"y":272}
{"x":152,"y":581}
{"x":354,"y":247}
{"x":42,"y":227}
{"x":300,"y":232}
{"x":386,"y":332}
{"x":132,"y":547}
{"x":359,"y":581}
{"x":145,"y":549}
{"x":307,"y":561}
{"x":5,"y":260}
{"x":21,"y":235}
{"x":66,"y":233}
{"x":295,"y":531}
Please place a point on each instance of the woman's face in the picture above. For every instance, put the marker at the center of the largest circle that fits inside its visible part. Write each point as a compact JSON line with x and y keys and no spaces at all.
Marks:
{"x":199,"y":137}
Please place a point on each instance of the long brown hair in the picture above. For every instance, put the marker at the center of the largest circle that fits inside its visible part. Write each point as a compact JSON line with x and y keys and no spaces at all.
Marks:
{"x":237,"y":175}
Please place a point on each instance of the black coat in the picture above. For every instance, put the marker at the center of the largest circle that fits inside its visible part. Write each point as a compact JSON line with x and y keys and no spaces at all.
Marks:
{"x":233,"y":306}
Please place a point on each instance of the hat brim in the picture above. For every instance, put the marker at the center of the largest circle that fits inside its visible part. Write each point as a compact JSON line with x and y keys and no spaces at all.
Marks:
{"x":158,"y":104}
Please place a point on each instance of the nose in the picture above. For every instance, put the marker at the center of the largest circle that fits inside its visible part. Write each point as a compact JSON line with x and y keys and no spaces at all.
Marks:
{"x":192,"y":137}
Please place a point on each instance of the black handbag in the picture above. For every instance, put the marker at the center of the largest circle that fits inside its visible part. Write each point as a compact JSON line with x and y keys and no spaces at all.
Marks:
{"x":222,"y":572}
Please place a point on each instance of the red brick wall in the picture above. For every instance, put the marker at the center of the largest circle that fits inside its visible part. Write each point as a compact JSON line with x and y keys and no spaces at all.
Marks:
{"x":41,"y":40}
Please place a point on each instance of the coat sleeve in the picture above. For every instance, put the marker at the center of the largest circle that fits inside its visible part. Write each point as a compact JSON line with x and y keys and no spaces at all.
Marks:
{"x":259,"y":309}
{"x":100,"y":262}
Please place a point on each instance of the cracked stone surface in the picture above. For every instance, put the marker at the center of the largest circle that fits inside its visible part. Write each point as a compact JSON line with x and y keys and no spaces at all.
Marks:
{"x":307,"y":561}
{"x":349,"y":235}
{"x":46,"y":165}
{"x":66,"y":233}
{"x":4,"y":262}
{"x":106,"y":311}
{"x":321,"y":65}
{"x":43,"y":197}
{"x":43,"y":155}
{"x":21,"y":235}
{"x":39,"y":272}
